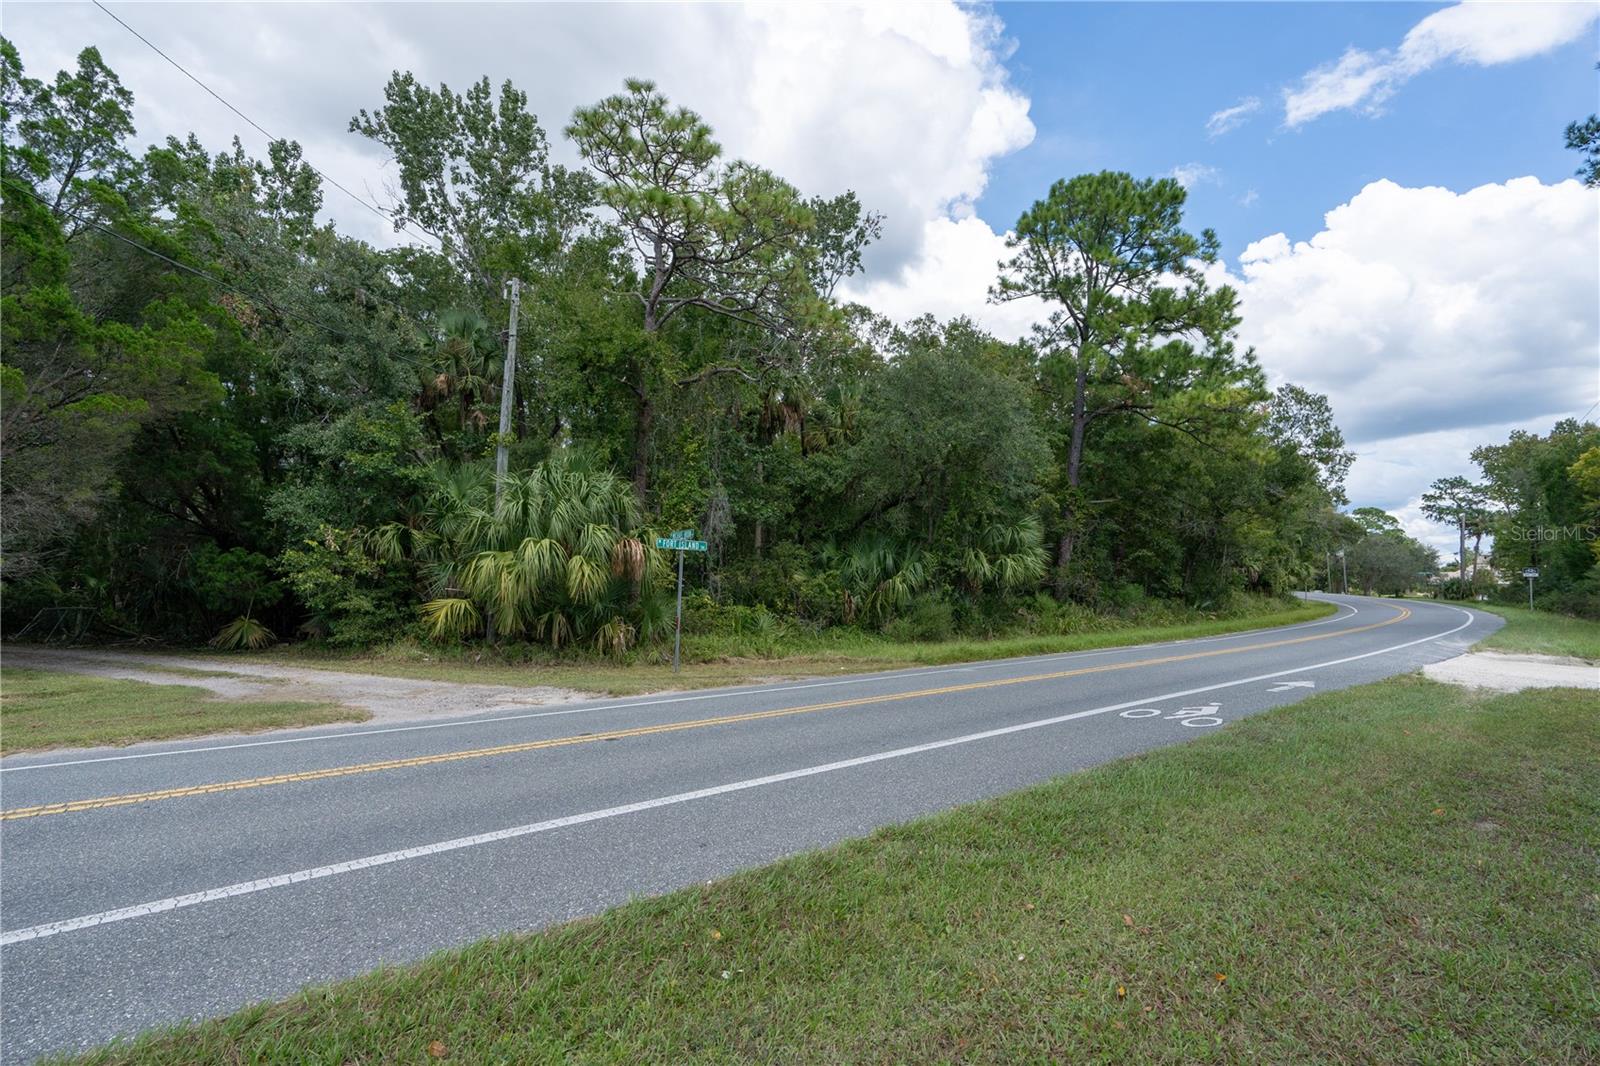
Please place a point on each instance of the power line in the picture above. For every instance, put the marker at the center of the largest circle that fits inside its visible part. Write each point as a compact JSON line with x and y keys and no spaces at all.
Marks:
{"x":212,"y":278}
{"x":374,"y":208}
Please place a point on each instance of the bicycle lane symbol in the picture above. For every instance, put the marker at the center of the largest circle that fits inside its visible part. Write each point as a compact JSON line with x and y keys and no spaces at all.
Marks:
{"x":1193,"y":717}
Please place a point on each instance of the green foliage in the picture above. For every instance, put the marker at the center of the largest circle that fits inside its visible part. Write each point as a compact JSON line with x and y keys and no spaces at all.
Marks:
{"x":302,"y":443}
{"x":1389,"y":563}
{"x":1584,"y":138}
{"x":475,"y":173}
{"x":243,"y":634}
{"x":557,"y":555}
{"x":1546,"y":496}
{"x":927,"y":620}
{"x":352,"y":597}
{"x":1135,"y":338}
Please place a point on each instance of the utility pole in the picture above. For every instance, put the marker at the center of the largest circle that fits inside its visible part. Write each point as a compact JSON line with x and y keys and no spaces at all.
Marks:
{"x":508,"y":384}
{"x":502,"y":454}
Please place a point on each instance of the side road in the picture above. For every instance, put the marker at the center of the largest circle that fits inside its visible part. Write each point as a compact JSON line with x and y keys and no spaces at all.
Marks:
{"x":387,"y":699}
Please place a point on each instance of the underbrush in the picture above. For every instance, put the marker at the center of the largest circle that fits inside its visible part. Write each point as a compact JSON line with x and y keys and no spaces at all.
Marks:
{"x":930,"y":630}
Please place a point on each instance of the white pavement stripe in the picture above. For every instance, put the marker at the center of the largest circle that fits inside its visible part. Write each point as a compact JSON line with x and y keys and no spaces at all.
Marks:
{"x":589,"y":708}
{"x":244,"y":888}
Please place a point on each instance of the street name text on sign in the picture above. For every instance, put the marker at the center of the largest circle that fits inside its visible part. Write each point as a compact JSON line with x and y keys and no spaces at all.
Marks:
{"x":682,"y":540}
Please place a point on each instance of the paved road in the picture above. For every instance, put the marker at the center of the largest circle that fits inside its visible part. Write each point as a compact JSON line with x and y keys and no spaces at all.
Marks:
{"x":150,"y":884}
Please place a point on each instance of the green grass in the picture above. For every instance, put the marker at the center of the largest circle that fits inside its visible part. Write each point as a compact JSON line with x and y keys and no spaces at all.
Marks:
{"x":45,"y":709}
{"x":1399,"y":873}
{"x":189,"y":671}
{"x":712,"y":660}
{"x":1542,"y":633}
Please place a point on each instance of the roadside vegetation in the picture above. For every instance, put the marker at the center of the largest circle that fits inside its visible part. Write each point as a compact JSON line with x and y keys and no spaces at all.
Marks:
{"x":228,"y":422}
{"x":46,"y":709}
{"x":1542,"y":633}
{"x":1394,"y":873}
{"x":734,"y":646}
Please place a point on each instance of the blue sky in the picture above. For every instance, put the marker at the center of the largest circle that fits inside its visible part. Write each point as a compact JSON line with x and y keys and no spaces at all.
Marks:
{"x":1130,"y":87}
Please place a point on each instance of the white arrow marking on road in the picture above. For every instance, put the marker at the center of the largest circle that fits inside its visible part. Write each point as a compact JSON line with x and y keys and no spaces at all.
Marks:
{"x":1287,"y":685}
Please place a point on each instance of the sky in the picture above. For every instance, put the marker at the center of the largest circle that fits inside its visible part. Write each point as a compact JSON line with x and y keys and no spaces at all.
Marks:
{"x":1388,"y":181}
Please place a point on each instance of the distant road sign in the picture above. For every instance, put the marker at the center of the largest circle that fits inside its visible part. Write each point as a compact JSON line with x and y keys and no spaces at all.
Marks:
{"x":679,"y":544}
{"x":682,"y":534}
{"x":1532,"y":571}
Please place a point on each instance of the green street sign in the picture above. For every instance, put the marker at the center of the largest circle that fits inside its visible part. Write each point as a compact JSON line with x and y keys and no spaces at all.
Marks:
{"x":680,"y":544}
{"x":682,"y":534}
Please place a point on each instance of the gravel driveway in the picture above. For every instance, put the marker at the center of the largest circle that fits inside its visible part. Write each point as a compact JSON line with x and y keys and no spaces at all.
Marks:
{"x":388,"y":699}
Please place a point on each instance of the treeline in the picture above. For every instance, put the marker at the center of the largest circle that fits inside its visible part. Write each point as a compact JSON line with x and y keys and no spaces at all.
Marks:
{"x":222,"y":416}
{"x":1538,"y":505}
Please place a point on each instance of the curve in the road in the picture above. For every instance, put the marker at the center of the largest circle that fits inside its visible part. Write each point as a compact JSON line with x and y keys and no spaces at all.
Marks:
{"x":388,"y":858}
{"x":379,"y":766}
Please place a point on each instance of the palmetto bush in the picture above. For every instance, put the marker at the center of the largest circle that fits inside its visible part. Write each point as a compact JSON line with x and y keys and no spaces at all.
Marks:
{"x":1005,"y":555}
{"x":880,"y":576}
{"x":561,"y":560}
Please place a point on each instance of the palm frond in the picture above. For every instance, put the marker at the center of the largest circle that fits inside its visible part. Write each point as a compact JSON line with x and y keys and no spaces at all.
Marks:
{"x":243,"y":633}
{"x":451,"y":619}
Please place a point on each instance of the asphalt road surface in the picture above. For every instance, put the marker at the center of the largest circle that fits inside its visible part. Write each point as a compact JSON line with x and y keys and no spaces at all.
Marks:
{"x":146,"y":885}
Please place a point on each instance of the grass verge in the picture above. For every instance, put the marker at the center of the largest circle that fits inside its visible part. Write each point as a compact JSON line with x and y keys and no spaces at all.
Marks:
{"x":1542,"y":633}
{"x":45,"y":709}
{"x":1398,"y":873}
{"x":713,"y":661}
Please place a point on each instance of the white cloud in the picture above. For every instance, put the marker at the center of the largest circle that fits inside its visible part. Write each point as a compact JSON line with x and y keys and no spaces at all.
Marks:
{"x":952,"y":277}
{"x":1434,"y":320}
{"x":1249,"y":198}
{"x":909,"y":105}
{"x":1191,"y":174}
{"x":1482,"y":34}
{"x":1231,"y":118}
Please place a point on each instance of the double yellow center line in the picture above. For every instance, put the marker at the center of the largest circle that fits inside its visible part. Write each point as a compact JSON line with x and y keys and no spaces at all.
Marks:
{"x":130,"y":798}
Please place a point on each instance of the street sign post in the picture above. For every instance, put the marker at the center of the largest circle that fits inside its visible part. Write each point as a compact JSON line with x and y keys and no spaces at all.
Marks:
{"x":1530,"y":573}
{"x":682,"y":540}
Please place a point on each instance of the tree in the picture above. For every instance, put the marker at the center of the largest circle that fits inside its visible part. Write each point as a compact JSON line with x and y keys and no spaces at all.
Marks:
{"x":1545,"y":516}
{"x":946,"y":439}
{"x":561,"y":560}
{"x":1457,"y":501}
{"x":462,"y":380}
{"x":1134,"y":330}
{"x":1375,"y":520}
{"x":1389,"y":563}
{"x":1584,"y":138}
{"x":71,"y":133}
{"x":841,"y":232}
{"x":76,"y":383}
{"x":211,"y":400}
{"x":728,"y":239}
{"x":475,"y":173}
{"x":1302,"y":421}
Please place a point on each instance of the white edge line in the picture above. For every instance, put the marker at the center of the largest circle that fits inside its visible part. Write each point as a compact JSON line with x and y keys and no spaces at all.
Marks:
{"x":589,"y":708}
{"x":244,"y":888}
